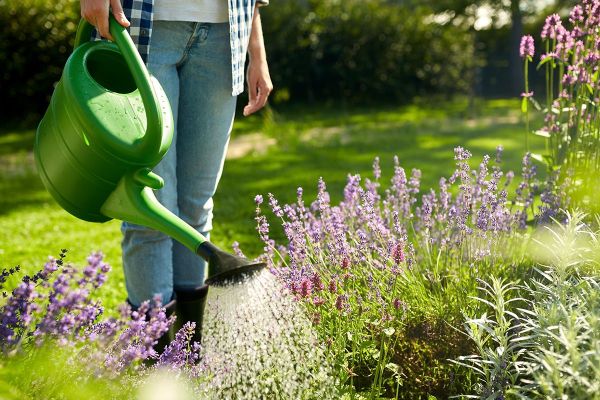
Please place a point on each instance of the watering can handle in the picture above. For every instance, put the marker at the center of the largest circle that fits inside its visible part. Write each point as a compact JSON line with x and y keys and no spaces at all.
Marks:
{"x":150,"y":143}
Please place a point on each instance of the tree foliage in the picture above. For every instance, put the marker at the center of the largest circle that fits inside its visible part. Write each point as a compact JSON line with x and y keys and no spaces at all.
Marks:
{"x":364,"y":49}
{"x":35,"y":40}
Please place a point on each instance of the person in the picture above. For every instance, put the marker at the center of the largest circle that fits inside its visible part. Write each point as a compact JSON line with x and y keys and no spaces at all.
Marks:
{"x":197,"y":51}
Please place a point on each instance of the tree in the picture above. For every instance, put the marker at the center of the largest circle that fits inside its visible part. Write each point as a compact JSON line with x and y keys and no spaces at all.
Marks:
{"x":513,"y":11}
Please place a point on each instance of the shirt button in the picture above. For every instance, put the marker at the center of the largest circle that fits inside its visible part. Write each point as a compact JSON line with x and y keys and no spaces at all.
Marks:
{"x":143,"y":32}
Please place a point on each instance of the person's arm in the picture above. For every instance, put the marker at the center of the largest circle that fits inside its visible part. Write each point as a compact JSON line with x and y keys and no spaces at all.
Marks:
{"x":96,"y":13}
{"x":259,"y":80}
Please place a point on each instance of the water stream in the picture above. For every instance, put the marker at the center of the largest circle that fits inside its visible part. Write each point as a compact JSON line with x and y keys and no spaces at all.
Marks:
{"x":259,"y":345}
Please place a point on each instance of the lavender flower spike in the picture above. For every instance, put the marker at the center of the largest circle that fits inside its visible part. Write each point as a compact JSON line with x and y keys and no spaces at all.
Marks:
{"x":527,"y":48}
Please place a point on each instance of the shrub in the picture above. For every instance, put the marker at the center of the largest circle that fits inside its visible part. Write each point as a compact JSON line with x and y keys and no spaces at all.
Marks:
{"x":331,"y":50}
{"x":37,"y":37}
{"x":364,"y":51}
{"x":385,"y":274}
{"x":542,"y":337}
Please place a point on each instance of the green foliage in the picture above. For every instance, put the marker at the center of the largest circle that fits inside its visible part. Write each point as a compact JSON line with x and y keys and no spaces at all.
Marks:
{"x":35,"y":41}
{"x":570,"y":103}
{"x":543,"y":344}
{"x":310,"y":142}
{"x":359,"y":50}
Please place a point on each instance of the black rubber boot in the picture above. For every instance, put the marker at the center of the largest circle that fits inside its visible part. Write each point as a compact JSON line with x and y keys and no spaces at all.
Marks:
{"x":190,"y":307}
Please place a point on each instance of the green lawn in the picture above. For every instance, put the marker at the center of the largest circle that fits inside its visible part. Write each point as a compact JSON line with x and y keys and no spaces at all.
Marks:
{"x":283,"y":149}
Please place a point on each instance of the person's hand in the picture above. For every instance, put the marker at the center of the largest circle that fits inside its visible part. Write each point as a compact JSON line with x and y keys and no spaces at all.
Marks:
{"x":96,"y":13}
{"x":259,"y":85}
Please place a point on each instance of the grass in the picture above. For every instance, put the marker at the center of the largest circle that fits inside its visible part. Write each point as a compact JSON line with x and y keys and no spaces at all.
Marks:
{"x":306,"y":143}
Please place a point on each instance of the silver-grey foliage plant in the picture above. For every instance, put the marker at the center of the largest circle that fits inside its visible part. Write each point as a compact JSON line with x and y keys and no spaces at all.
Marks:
{"x":541,"y":338}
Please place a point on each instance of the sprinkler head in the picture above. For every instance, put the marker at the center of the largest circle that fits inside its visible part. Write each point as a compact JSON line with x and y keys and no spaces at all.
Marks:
{"x":225,"y":268}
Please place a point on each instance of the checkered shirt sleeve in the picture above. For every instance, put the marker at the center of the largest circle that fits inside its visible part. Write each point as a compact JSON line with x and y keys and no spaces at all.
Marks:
{"x":139,"y":13}
{"x":240,"y":24}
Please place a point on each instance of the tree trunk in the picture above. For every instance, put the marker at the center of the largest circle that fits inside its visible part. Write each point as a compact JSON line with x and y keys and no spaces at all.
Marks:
{"x":515,"y":62}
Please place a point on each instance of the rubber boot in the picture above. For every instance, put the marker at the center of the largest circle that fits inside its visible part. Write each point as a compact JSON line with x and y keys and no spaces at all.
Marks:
{"x":190,"y":308}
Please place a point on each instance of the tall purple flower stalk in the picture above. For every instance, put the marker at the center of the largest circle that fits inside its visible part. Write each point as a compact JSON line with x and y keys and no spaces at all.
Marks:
{"x":571,"y":60}
{"x":527,"y":47}
{"x":470,"y":217}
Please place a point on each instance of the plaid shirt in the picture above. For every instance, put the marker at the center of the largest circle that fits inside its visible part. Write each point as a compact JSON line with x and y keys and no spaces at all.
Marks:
{"x":139,"y":13}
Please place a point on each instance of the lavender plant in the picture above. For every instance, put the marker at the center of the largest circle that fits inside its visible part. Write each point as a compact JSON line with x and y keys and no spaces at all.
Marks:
{"x":571,"y":61}
{"x":383,"y":265}
{"x":55,"y":304}
{"x":52,"y":314}
{"x":56,"y":344}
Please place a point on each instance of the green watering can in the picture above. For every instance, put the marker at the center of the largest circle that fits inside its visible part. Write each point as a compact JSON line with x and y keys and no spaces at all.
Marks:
{"x":108,"y":124}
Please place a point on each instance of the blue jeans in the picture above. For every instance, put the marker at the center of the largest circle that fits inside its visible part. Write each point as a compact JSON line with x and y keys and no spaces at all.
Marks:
{"x":192,"y":61}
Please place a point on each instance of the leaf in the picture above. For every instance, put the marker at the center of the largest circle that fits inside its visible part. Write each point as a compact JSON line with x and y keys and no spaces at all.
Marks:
{"x":539,"y":157}
{"x":392,"y":367}
{"x":389,"y":331}
{"x":589,"y":88}
{"x":524,"y":105}
{"x":542,"y":133}
{"x":535,"y":103}
{"x":544,"y":61}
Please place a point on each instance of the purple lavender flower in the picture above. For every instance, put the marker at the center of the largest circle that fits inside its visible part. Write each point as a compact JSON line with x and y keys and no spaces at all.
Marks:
{"x":262,"y":227}
{"x":274,"y":204}
{"x":305,"y":288}
{"x":317,"y":283}
{"x":181,"y":352}
{"x":398,"y":253}
{"x":527,"y":47}
{"x":551,"y":27}
{"x":318,"y":301}
{"x":136,"y":342}
{"x":322,"y":196}
{"x":16,"y":314}
{"x":398,"y":304}
{"x":332,"y":286}
{"x":499,"y":151}
{"x":376,"y":169}
{"x":340,"y":302}
{"x":576,"y":15}
{"x":460,"y":154}
{"x":352,"y":191}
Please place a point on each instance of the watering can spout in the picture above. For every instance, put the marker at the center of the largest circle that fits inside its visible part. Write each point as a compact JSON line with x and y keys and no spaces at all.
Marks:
{"x":133,"y":201}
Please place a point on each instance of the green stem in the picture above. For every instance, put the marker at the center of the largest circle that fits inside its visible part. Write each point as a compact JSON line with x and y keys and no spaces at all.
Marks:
{"x":526,"y":73}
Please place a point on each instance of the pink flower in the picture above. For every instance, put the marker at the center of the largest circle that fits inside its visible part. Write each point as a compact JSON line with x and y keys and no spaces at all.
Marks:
{"x":527,"y":48}
{"x":551,"y":27}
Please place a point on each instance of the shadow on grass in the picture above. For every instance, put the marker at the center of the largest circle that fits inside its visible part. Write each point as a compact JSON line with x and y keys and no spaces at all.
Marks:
{"x":20,"y":185}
